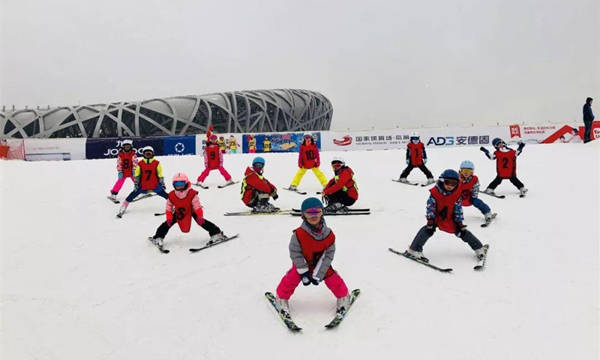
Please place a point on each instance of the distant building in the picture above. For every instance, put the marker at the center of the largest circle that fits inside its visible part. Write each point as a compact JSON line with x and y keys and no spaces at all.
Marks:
{"x":230,"y":112}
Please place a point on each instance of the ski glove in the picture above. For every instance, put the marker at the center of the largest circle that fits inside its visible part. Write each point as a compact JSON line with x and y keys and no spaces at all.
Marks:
{"x":424,"y":161}
{"x":274,"y":195}
{"x":430,"y":225}
{"x":407,"y":161}
{"x":162,"y":182}
{"x":520,"y":148}
{"x":461,"y":229}
{"x":120,"y":174}
{"x":305,"y":278}
{"x":484,"y":150}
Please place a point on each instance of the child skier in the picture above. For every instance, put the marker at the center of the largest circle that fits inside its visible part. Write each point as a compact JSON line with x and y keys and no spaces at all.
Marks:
{"x":312,"y":248}
{"x":148,"y":177}
{"x":506,"y":166}
{"x":232,"y":144}
{"x":126,"y":163}
{"x":416,"y":157}
{"x":469,"y":188}
{"x":213,"y":160}
{"x":256,"y":189}
{"x":308,"y":158}
{"x":444,"y":210}
{"x":183,"y":204}
{"x":341,"y":191}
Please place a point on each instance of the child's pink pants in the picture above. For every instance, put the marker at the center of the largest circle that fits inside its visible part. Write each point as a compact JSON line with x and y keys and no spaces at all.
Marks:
{"x":291,"y":279}
{"x":207,"y":171}
{"x":119,"y":184}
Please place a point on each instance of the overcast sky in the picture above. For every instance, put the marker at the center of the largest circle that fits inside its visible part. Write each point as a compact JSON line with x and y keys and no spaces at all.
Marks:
{"x":381,"y":63}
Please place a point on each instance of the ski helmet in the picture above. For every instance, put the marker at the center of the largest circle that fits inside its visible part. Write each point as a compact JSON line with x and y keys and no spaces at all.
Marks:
{"x":467,"y":164}
{"x":146,"y":149}
{"x":497,"y":141}
{"x":449,"y":177}
{"x":414,"y":136}
{"x":127,"y":142}
{"x":308,"y":137}
{"x":338,"y":159}
{"x":310,"y":203}
{"x":258,"y":163}
{"x":179,"y":180}
{"x":213,"y":138}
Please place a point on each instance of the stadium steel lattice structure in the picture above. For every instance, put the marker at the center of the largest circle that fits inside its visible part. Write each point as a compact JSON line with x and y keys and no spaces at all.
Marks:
{"x":230,"y":112}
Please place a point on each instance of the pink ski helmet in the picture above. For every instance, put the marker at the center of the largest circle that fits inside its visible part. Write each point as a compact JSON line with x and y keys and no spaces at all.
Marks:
{"x":181,"y":180}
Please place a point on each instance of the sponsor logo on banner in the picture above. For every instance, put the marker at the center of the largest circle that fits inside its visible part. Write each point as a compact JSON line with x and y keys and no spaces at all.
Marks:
{"x":345,"y":141}
{"x":515,"y":131}
{"x":109,"y":148}
{"x":459,"y":140}
{"x":179,"y":145}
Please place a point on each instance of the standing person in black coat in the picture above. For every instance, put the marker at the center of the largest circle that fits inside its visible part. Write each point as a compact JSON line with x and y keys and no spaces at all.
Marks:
{"x":588,"y":118}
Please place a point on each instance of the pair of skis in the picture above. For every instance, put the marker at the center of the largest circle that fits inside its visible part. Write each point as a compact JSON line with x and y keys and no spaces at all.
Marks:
{"x":193,"y":250}
{"x":499,"y":196}
{"x":219,"y":186}
{"x":479,"y":266}
{"x":366,"y":211}
{"x":141,"y":197}
{"x":289,"y":322}
{"x":412,"y":183}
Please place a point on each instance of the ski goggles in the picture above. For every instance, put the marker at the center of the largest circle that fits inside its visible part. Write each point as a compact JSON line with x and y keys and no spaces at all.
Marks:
{"x":313,"y":212}
{"x":450,"y":182}
{"x":177,"y":184}
{"x":467,"y":172}
{"x":258,"y":165}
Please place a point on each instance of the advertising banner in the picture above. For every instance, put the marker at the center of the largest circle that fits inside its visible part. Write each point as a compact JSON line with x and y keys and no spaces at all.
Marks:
{"x":398,"y":138}
{"x":109,"y":148}
{"x":231,"y":142}
{"x":276,"y":142}
{"x":179,"y":145}
{"x":55,"y":149}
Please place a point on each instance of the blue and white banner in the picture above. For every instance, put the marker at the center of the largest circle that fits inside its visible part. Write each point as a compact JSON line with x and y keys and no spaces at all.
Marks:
{"x":179,"y":145}
{"x":109,"y":148}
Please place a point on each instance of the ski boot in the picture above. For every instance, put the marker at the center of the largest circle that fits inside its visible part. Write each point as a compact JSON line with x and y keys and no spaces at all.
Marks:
{"x":429,"y":181}
{"x":122,"y":210}
{"x":480,"y":253}
{"x":284,"y":307}
{"x":230,"y":182}
{"x":417,"y":255}
{"x":343,"y":304}
{"x":216,"y":238}
{"x":403,"y":180}
{"x":335,"y":207}
{"x":113,"y":197}
{"x":489,"y":191}
{"x":522,"y":191}
{"x":158,"y":241}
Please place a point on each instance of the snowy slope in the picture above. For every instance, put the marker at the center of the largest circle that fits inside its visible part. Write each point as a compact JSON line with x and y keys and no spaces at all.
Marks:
{"x":77,"y":283}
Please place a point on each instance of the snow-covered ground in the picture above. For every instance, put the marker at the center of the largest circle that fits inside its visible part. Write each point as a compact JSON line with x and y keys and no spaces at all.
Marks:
{"x":78,"y":283}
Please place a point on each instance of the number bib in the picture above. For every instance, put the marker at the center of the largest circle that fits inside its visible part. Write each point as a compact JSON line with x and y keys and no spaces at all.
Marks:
{"x":148,"y":175}
{"x":506,"y":163}
{"x":182,"y":213}
{"x":416,"y":153}
{"x":313,"y":249}
{"x":466,"y":189}
{"x":309,"y":155}
{"x":214,"y":160}
{"x":126,"y":159}
{"x":444,"y":210}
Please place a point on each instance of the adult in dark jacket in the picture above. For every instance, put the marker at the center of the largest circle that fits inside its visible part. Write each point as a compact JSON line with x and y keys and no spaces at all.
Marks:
{"x":588,"y":118}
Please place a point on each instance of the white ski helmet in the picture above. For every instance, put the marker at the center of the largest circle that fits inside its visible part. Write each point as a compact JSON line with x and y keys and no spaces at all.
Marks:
{"x":414,"y":135}
{"x":127,"y":142}
{"x":148,"y":148}
{"x":338,"y":159}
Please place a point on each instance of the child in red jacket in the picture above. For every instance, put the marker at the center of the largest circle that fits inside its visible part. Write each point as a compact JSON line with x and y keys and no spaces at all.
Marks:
{"x":256,"y":190}
{"x":341,"y":191}
{"x":308,"y":158}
